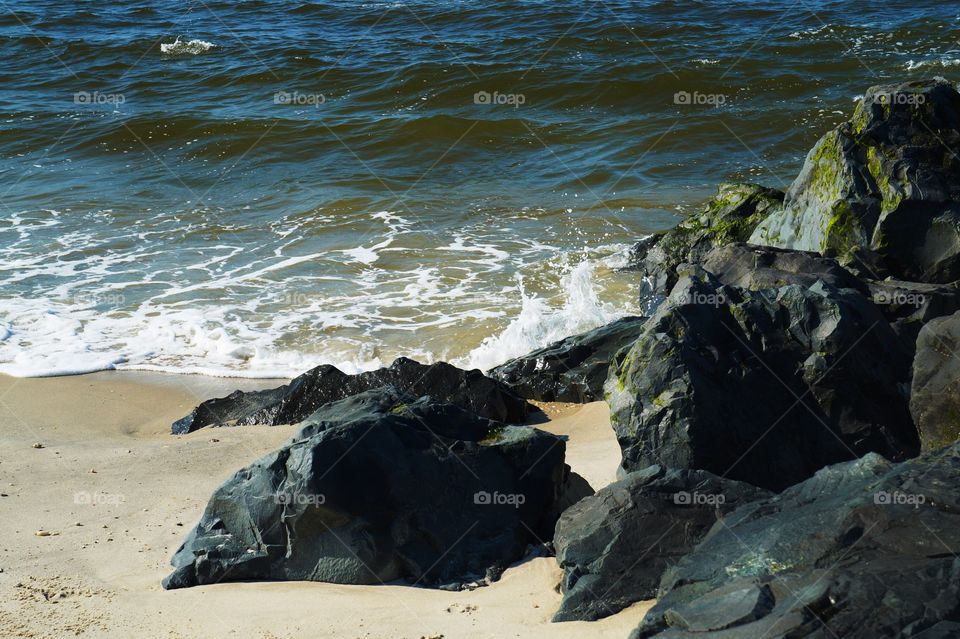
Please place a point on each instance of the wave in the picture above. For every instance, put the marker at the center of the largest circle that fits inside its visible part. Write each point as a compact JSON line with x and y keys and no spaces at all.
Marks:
{"x":539,"y":323}
{"x":180,"y":332}
{"x":940,"y":62}
{"x":191,"y":47}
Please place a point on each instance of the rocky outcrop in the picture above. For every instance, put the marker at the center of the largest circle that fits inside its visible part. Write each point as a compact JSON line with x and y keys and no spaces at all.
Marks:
{"x":730,"y":216}
{"x":614,"y":546}
{"x":761,"y":386}
{"x":935,"y":393}
{"x":757,"y":268}
{"x":571,"y":370}
{"x":884,"y":184}
{"x":910,"y":305}
{"x":862,"y":549}
{"x":382,"y":487}
{"x":294,"y":402}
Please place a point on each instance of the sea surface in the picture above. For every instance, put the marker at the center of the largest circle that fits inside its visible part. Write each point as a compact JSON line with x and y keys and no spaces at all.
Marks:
{"x":252,"y":188}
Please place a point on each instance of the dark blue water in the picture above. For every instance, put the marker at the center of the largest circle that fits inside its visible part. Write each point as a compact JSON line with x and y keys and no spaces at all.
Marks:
{"x":255,"y":187}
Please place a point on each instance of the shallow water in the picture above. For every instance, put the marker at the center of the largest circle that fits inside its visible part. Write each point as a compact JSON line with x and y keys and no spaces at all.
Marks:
{"x":254,"y":188}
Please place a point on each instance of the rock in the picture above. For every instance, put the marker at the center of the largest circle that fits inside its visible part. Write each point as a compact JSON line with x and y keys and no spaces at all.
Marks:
{"x":382,"y":487}
{"x":910,"y":305}
{"x":761,"y":386}
{"x":862,"y":549}
{"x":571,"y":370}
{"x":730,"y":216}
{"x":907,"y":306}
{"x":294,"y":402}
{"x":935,"y":393}
{"x":614,"y":546}
{"x":761,"y":267}
{"x":886,"y":182}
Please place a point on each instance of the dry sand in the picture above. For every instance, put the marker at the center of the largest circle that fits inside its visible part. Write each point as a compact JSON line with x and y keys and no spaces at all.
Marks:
{"x":88,"y":523}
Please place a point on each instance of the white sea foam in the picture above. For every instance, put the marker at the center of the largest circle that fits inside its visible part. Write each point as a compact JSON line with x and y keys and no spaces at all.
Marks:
{"x":191,"y":47}
{"x":539,"y":323}
{"x":80,"y":299}
{"x":812,"y":32}
{"x":939,"y":62}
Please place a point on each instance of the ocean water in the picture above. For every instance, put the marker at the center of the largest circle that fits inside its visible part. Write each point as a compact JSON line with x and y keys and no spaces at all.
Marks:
{"x":253,"y":188}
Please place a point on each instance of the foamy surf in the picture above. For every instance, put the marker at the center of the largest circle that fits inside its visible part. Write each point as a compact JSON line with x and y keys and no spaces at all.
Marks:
{"x":191,"y":47}
{"x":539,"y":324}
{"x":944,"y":62}
{"x":277,"y":334}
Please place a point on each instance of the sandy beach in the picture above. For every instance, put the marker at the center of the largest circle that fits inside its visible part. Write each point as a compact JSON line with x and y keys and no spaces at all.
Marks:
{"x":89,"y":520}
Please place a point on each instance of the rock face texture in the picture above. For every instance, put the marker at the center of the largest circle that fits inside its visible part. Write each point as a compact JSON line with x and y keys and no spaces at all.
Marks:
{"x":731,"y":216}
{"x":862,"y":549}
{"x":381,"y":487}
{"x":885,"y":183}
{"x":935,"y":394}
{"x":571,"y":370}
{"x":760,"y":267}
{"x":294,"y":402}
{"x":615,"y":545}
{"x":762,"y":386}
{"x":908,"y":306}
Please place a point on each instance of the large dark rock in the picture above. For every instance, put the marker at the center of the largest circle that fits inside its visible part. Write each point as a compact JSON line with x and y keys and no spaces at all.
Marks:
{"x":862,"y":549}
{"x":761,"y":386}
{"x":294,"y":402}
{"x":886,"y":183}
{"x":910,"y":305}
{"x":382,"y":487}
{"x":730,"y":216}
{"x":573,"y":369}
{"x":935,"y":394}
{"x":762,"y":267}
{"x":614,"y":546}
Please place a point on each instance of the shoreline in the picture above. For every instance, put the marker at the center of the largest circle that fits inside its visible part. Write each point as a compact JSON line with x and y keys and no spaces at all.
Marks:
{"x":109,"y":463}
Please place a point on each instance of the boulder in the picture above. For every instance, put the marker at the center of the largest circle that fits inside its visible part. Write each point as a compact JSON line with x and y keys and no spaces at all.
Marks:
{"x":294,"y":402}
{"x":614,"y":546}
{"x":910,"y":305}
{"x":762,"y":386}
{"x":382,"y":487}
{"x":762,"y":267}
{"x":935,"y":392}
{"x":862,"y":549}
{"x":571,"y":370}
{"x":730,"y":216}
{"x":885,"y":183}
{"x":907,"y":306}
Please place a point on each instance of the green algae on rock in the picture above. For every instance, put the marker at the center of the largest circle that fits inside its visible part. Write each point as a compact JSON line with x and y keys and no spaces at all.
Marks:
{"x":886,"y":182}
{"x":730,"y":216}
